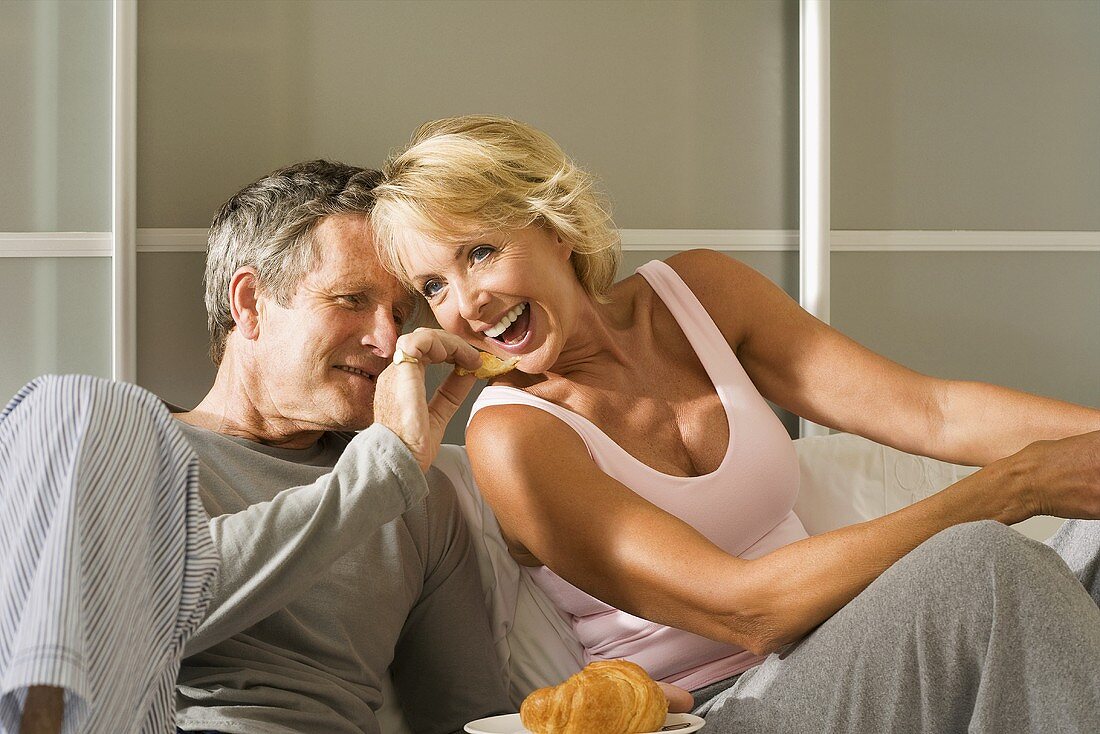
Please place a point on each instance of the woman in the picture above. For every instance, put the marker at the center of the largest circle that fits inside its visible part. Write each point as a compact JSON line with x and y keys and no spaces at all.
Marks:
{"x":637,"y":471}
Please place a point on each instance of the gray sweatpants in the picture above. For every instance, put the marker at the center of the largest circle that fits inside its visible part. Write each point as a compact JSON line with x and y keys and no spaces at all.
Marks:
{"x":978,"y":629}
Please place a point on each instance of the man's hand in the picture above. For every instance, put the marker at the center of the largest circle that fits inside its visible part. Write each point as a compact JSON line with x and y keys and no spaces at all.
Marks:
{"x":400,"y":403}
{"x":679,"y":700}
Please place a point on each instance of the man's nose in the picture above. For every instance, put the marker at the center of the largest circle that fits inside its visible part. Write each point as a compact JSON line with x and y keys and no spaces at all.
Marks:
{"x":380,"y":332}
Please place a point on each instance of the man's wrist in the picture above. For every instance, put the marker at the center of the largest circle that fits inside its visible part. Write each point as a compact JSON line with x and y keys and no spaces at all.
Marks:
{"x":401,"y":462}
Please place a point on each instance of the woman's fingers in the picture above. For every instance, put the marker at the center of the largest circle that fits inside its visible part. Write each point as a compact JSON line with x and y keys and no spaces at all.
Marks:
{"x":1062,"y":476}
{"x":679,"y":700}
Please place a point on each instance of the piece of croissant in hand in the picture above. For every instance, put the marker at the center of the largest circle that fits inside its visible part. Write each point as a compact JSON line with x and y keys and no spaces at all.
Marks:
{"x":491,"y":366}
{"x":607,"y":697}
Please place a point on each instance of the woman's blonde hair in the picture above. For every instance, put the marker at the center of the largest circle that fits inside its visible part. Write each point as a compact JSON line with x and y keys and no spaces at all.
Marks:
{"x":462,"y":177}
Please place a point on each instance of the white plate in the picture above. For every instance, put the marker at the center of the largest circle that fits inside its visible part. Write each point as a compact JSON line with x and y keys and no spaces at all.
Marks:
{"x":510,"y":724}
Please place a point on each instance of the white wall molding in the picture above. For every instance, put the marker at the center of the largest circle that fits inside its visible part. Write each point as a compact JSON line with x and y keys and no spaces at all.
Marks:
{"x":964,"y":241}
{"x":752,"y":240}
{"x":55,"y":244}
{"x":98,"y":244}
{"x":172,"y":240}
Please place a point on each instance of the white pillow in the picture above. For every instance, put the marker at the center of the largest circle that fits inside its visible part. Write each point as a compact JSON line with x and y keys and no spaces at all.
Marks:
{"x":845,"y":479}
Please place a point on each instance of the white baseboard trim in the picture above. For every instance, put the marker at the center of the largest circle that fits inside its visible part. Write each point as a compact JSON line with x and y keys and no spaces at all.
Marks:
{"x":98,"y":244}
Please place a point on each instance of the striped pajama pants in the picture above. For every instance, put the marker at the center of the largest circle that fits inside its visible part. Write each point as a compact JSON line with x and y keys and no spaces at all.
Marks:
{"x":106,"y":562}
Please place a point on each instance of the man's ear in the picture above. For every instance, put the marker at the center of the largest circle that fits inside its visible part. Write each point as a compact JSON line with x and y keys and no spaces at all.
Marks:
{"x":243,"y":302}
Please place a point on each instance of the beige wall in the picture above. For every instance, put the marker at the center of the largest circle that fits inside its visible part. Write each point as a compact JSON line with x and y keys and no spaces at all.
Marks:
{"x":55,"y":114}
{"x":966,"y":114}
{"x":55,"y":86}
{"x":54,"y":318}
{"x":687,"y":109}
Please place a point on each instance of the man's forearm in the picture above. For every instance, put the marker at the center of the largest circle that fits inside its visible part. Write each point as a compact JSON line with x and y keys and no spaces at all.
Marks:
{"x":273,"y":551}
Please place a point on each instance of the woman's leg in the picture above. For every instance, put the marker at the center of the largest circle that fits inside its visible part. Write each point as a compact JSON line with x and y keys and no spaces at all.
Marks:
{"x":1078,"y":543}
{"x":978,"y":629}
{"x":106,"y":560}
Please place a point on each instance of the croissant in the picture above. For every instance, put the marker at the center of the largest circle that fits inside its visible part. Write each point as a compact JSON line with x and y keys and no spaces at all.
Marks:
{"x":607,"y":697}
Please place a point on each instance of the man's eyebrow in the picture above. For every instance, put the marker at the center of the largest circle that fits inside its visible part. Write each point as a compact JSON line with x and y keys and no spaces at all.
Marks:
{"x":360,"y":288}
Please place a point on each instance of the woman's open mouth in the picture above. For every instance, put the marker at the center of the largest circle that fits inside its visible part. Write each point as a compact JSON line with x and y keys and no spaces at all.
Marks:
{"x":512,"y":329}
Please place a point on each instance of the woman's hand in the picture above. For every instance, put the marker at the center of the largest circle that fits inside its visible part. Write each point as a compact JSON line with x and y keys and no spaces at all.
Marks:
{"x":1059,"y":478}
{"x":679,"y":700}
{"x":400,"y":403}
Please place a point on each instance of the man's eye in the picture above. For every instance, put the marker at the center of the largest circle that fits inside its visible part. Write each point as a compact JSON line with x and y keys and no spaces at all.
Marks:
{"x":480,"y":252}
{"x":431,"y":288}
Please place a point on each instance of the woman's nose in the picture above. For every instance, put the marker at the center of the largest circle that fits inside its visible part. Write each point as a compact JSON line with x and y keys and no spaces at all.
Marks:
{"x":472,"y":302}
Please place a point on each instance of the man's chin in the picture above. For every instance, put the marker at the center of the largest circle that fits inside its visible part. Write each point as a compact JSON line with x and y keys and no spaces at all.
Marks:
{"x":354,"y":422}
{"x":358,"y":426}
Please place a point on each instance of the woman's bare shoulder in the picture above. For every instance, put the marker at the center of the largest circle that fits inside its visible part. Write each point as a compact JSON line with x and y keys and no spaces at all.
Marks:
{"x":705,"y":269}
{"x":730,"y":291}
{"x":517,"y":432}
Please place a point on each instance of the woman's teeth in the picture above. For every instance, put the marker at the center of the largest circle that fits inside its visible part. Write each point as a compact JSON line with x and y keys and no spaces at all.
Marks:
{"x":505,"y":322}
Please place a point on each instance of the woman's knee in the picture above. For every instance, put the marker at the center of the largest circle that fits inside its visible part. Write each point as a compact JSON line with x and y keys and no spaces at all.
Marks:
{"x":985,"y":548}
{"x":981,"y":537}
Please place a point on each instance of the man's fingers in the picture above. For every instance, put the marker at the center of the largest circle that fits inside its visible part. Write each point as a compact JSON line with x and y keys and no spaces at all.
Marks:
{"x":447,"y":399}
{"x":435,"y":346}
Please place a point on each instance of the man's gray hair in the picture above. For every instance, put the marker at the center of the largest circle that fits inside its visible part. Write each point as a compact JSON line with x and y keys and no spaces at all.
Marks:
{"x":269,"y":226}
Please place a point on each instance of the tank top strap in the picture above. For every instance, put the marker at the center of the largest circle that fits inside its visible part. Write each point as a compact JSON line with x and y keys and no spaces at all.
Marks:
{"x":595,"y":440}
{"x":703,"y":334}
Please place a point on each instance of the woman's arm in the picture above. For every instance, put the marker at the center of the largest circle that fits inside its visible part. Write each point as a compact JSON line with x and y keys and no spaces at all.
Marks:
{"x":815,"y":371}
{"x":554,"y":505}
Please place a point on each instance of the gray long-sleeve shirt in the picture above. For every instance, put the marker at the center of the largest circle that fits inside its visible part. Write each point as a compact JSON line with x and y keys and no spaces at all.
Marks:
{"x":339,"y":562}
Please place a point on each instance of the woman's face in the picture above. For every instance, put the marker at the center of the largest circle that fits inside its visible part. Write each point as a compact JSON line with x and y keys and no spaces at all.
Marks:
{"x":510,"y":293}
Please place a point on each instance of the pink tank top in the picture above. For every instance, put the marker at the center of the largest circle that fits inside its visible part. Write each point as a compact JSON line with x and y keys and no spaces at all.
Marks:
{"x":744,"y":506}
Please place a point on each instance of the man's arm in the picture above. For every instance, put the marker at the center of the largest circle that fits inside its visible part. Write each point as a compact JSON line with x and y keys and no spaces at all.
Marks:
{"x":445,"y":668}
{"x":273,"y":551}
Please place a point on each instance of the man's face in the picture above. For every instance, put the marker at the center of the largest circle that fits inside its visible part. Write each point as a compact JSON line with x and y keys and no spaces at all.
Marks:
{"x":317,"y":359}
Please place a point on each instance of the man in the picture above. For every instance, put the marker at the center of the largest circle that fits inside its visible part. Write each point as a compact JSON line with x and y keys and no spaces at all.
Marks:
{"x":343,"y":558}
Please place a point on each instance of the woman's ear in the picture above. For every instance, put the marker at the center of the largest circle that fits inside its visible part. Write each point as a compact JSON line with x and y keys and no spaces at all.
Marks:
{"x":244,"y":302}
{"x":564,"y":247}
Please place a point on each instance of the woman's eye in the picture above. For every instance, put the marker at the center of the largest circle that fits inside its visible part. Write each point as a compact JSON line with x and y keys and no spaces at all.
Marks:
{"x":480,"y":252}
{"x":431,"y":288}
